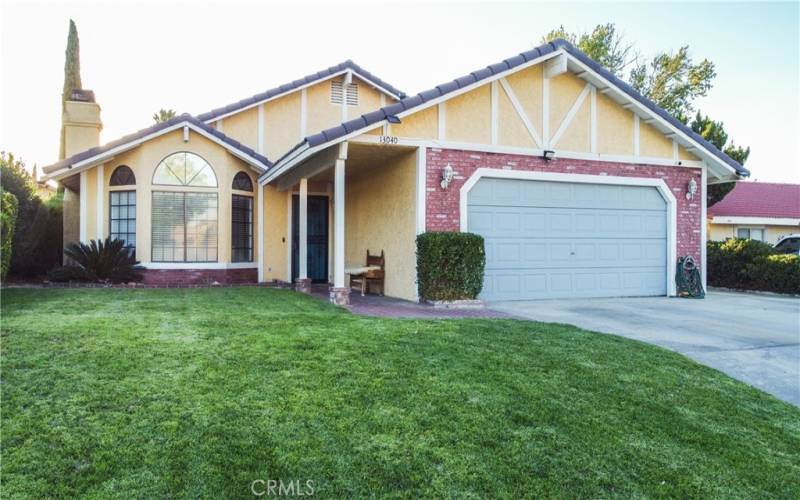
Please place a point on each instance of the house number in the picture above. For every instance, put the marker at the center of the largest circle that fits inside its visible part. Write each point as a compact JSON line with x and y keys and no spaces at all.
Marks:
{"x":387,"y":139}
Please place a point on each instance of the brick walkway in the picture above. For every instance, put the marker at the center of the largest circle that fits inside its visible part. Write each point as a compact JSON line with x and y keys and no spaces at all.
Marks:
{"x":387,"y":307}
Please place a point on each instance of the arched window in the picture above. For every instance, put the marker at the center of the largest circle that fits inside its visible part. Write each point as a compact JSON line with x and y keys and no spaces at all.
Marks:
{"x":184,"y":169}
{"x":123,"y":176}
{"x":242,"y":182}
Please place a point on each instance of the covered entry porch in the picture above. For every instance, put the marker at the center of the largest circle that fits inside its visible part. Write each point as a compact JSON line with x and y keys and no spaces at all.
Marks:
{"x":343,"y":202}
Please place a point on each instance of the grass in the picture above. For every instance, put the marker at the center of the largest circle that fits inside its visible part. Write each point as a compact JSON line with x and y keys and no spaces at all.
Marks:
{"x":196,"y":393}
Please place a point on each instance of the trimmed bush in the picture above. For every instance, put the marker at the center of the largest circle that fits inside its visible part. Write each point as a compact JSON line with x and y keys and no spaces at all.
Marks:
{"x":752,"y":265}
{"x":775,"y":273}
{"x":8,"y":222}
{"x":102,"y":261}
{"x":450,"y":265}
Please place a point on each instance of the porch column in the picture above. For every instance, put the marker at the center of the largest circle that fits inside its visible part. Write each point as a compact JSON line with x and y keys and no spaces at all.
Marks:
{"x":340,"y":294}
{"x":303,"y":283}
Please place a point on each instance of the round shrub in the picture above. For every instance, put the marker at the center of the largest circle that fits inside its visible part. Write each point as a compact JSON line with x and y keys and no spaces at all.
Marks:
{"x":450,"y":265}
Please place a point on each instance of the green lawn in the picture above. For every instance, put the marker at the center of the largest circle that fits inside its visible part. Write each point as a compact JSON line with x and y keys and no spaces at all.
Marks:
{"x":196,"y":393}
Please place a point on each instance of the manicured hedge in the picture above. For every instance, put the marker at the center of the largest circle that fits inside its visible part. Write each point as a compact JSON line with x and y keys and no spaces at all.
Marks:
{"x":450,"y":265}
{"x":752,"y":265}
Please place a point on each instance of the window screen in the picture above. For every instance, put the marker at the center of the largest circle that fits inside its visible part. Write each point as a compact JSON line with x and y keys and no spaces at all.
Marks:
{"x":242,"y":229}
{"x":184,"y":227}
{"x":122,"y":218}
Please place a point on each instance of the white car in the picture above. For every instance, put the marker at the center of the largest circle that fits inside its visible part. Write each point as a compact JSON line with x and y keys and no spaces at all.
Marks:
{"x":788,"y":244}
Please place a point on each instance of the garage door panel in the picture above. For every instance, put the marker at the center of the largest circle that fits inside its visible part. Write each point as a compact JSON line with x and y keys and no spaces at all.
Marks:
{"x":549,"y":239}
{"x":522,"y":284}
{"x":540,"y":222}
{"x":520,"y":253}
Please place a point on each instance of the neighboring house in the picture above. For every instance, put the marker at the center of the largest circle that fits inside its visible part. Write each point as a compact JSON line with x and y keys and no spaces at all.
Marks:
{"x":580,"y":186}
{"x":761,"y":211}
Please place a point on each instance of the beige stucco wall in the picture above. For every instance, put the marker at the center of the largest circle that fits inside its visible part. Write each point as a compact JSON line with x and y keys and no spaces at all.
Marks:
{"x":653,"y":143}
{"x":468,"y":119}
{"x":564,"y":90}
{"x":527,"y":86}
{"x":422,"y":125}
{"x":380,"y":215}
{"x":143,"y":161}
{"x":469,"y":116}
{"x":685,"y":155}
{"x":511,"y":129}
{"x":276,"y":239}
{"x":721,"y":232}
{"x":281,"y":125}
{"x":614,"y":128}
{"x":577,"y":136}
{"x":282,"y":117}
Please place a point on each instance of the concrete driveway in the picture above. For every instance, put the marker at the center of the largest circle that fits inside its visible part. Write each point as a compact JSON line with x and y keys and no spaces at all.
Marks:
{"x":754,"y":338}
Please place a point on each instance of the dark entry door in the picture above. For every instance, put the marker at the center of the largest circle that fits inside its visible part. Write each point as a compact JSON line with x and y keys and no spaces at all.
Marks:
{"x":317,"y":238}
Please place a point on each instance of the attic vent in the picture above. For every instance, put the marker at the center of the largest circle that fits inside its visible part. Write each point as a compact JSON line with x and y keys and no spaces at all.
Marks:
{"x":336,"y":93}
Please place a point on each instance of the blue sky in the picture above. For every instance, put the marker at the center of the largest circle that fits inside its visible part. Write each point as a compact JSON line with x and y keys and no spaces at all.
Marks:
{"x":193,"y":56}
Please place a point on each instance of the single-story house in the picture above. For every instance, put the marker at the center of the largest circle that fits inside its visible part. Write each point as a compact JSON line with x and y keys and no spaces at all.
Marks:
{"x":763,"y":211}
{"x":580,"y":186}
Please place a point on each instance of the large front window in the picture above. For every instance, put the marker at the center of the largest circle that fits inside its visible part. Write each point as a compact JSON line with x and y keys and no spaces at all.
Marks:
{"x":184,"y":227}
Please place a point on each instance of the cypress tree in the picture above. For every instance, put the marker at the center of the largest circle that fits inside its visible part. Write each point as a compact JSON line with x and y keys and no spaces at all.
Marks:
{"x":72,"y":73}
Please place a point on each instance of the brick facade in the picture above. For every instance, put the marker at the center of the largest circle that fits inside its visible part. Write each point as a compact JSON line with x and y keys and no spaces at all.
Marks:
{"x":199,"y":277}
{"x":443,"y":205}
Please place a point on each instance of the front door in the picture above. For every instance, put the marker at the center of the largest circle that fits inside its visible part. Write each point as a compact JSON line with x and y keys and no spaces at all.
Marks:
{"x":317,"y":238}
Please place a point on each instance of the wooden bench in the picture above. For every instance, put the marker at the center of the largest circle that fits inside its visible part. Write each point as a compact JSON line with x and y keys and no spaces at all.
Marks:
{"x":373,"y":272}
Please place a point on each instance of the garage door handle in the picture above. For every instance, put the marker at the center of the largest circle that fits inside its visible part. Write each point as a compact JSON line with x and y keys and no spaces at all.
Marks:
{"x":572,"y":253}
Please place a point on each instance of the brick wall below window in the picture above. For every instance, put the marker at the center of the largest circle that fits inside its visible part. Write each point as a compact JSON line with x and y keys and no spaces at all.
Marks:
{"x":198,"y":277}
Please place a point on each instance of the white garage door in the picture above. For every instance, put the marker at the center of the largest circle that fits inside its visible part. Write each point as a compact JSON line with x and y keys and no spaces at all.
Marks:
{"x":558,"y":239}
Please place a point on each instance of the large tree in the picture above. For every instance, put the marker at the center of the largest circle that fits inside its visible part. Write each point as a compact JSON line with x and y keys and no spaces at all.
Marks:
{"x":603,"y":44}
{"x":72,"y":73}
{"x":672,"y":80}
{"x":714,"y":132}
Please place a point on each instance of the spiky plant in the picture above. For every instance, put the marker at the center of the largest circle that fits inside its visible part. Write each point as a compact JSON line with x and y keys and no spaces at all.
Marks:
{"x":105,"y":261}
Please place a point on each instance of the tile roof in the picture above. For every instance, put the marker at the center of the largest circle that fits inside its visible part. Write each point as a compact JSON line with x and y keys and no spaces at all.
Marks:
{"x":89,"y":153}
{"x":288,"y":87}
{"x":759,"y":199}
{"x":484,"y":73}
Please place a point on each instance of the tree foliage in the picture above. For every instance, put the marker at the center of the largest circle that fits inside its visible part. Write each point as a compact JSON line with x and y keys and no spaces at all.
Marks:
{"x":8,"y":221}
{"x":603,"y":44}
{"x":164,"y":115}
{"x":37,"y":239}
{"x":72,"y":74}
{"x":714,"y":132}
{"x":673,"y":81}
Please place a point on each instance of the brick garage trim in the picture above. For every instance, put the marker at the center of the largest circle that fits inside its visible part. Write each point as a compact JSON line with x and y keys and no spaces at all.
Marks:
{"x":443,"y":212}
{"x":199,"y":277}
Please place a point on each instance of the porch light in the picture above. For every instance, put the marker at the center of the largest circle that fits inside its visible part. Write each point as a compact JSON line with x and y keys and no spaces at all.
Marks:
{"x":548,"y":154}
{"x":393,"y":119}
{"x":691,"y":189}
{"x":447,"y":176}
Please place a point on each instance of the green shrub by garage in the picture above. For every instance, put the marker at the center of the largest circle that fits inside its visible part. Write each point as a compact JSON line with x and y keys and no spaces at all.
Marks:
{"x":752,"y":265}
{"x":450,"y":265}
